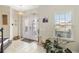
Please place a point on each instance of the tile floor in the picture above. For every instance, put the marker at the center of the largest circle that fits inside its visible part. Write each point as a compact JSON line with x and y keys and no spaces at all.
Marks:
{"x":18,"y":46}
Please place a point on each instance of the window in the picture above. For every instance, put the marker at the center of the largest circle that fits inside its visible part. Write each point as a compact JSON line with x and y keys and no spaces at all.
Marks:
{"x":63,"y":25}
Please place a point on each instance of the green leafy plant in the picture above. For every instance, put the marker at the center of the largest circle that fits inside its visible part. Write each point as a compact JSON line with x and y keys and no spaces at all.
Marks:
{"x":54,"y":47}
{"x":47,"y":45}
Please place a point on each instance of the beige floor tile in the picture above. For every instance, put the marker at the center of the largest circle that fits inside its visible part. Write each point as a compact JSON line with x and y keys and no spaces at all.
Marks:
{"x":19,"y":46}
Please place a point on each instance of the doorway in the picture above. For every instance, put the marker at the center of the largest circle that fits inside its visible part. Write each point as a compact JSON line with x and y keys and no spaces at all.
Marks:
{"x":30,"y":27}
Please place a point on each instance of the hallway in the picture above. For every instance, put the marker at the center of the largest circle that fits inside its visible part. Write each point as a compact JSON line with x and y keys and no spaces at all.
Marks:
{"x":54,"y":23}
{"x":19,"y":46}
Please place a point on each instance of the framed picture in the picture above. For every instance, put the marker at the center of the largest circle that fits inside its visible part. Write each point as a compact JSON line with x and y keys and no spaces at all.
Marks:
{"x":45,"y":20}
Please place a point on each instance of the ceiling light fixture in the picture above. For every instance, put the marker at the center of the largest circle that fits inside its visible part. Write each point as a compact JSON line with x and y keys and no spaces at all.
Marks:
{"x":20,"y":13}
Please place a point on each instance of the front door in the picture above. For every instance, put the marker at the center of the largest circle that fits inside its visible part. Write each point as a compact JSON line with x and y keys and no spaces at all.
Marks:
{"x":30,"y":27}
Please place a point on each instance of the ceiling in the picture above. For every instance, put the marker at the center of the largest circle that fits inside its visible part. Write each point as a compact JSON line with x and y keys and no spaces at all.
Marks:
{"x":23,"y":7}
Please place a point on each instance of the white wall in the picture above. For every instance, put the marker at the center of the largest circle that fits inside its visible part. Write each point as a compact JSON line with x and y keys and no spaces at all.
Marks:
{"x":13,"y":28}
{"x":16,"y":21}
